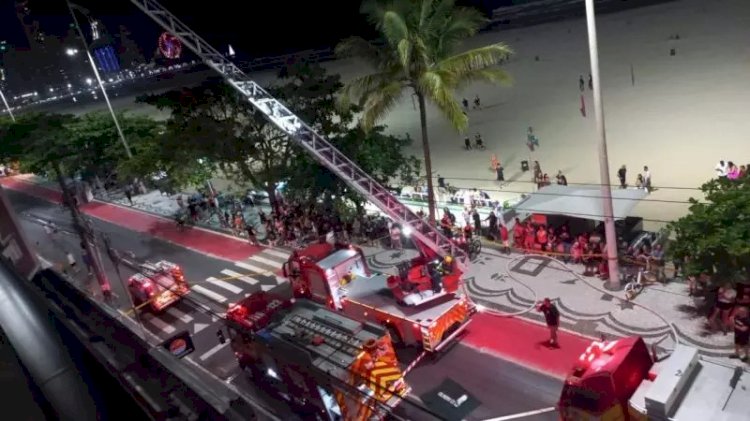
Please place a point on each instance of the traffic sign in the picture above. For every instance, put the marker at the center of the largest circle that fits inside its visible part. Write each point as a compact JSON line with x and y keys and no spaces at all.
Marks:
{"x":180,"y":344}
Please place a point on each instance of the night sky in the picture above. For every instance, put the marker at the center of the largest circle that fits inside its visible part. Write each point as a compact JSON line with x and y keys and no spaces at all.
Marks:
{"x":266,"y":28}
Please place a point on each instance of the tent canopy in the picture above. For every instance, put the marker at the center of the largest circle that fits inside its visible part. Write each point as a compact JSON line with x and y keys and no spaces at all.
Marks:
{"x":580,"y":202}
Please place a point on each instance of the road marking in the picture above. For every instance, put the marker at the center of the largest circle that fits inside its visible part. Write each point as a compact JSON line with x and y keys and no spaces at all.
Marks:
{"x":251,"y":268}
{"x":226,"y":285}
{"x":239,"y":276}
{"x":277,"y":253}
{"x":213,"y":351}
{"x":185,"y":318}
{"x":197,"y":327}
{"x":523,"y":414}
{"x":210,"y":294}
{"x":161,"y":325}
{"x":269,"y":262}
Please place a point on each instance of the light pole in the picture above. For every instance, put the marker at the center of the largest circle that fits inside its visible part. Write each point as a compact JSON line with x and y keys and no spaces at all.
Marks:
{"x":7,"y":107}
{"x":609,"y":221}
{"x":72,"y":9}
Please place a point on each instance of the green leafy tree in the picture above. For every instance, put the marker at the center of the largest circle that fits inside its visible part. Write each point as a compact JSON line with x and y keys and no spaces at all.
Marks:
{"x":715,"y":236}
{"x":87,"y":145}
{"x":378,"y":154}
{"x":420,"y":54}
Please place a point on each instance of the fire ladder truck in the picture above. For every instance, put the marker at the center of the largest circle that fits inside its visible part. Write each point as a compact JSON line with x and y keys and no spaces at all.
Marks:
{"x":431,"y":241}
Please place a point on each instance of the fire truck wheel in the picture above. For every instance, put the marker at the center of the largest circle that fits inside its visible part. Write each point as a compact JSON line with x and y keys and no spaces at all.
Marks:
{"x":396,"y":338}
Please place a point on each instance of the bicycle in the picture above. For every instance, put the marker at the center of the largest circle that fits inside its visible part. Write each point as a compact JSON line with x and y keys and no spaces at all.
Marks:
{"x":645,"y":276}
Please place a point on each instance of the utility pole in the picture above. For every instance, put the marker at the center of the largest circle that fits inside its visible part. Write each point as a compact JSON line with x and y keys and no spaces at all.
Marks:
{"x":85,"y":233}
{"x":609,"y":221}
{"x":7,"y":107}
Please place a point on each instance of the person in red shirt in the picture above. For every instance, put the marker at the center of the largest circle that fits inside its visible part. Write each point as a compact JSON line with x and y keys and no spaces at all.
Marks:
{"x":504,"y":238}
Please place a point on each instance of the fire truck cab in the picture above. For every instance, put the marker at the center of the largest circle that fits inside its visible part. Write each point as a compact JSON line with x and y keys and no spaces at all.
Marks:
{"x":161,"y":284}
{"x":409,"y":304}
{"x":619,"y":381}
{"x":328,"y":366}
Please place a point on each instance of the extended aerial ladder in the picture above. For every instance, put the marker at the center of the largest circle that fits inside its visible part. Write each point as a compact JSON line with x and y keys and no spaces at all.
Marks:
{"x":322,"y":150}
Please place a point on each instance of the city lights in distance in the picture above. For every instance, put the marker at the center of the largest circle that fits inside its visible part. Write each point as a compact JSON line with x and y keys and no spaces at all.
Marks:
{"x":71,"y":51}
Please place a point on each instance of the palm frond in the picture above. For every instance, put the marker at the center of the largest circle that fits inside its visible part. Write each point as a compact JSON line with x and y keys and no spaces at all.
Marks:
{"x":473,"y":60}
{"x":394,"y":27}
{"x":356,"y":89}
{"x":460,"y":24}
{"x":493,"y":75}
{"x":379,"y":102}
{"x":432,"y":86}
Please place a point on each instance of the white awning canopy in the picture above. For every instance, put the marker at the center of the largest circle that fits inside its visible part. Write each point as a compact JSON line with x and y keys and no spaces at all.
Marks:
{"x":580,"y":202}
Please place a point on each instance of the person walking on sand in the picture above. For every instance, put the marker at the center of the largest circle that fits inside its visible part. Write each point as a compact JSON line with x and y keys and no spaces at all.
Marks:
{"x":465,"y":103}
{"x":581,"y":83}
{"x":591,"y":83}
{"x":621,"y":174}
{"x":552,"y":318}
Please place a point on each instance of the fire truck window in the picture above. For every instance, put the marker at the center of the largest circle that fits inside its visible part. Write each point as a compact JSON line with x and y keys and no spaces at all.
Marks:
{"x":584,"y":399}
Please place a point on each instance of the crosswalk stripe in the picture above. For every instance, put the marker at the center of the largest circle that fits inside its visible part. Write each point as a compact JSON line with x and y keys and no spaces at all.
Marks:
{"x":160,"y":324}
{"x":222,"y":284}
{"x":269,"y":262}
{"x":206,"y":355}
{"x":210,"y":294}
{"x":277,"y":253}
{"x":252,"y":268}
{"x":239,"y":276}
{"x":185,"y":318}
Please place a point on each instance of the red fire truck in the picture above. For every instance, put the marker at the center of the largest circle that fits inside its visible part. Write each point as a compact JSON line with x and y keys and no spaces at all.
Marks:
{"x":421,"y":305}
{"x":158,"y":285}
{"x":326,"y":365}
{"x":619,"y":381}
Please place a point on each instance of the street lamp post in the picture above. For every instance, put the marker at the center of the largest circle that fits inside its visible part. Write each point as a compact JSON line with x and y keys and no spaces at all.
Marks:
{"x":7,"y":107}
{"x":609,"y":220}
{"x":72,"y":8}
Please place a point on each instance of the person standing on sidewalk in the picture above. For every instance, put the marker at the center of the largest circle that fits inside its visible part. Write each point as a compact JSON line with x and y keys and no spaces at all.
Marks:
{"x":622,"y":174}
{"x":741,"y":334}
{"x":129,"y":193}
{"x":552,"y":317}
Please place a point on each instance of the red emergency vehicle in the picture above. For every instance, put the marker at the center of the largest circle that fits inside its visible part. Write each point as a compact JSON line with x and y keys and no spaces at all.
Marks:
{"x":159,"y":284}
{"x":422,"y":305}
{"x":619,"y":381}
{"x":328,"y":366}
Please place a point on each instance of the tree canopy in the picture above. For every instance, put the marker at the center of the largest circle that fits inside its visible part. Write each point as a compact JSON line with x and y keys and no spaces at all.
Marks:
{"x":211,"y":122}
{"x":715,"y":236}
{"x":87,"y":145}
{"x":419,"y":52}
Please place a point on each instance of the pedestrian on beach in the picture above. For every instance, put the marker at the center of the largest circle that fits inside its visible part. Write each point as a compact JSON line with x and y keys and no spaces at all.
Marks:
{"x":477,"y":102}
{"x":591,"y":83}
{"x":467,"y":143}
{"x":499,"y":171}
{"x":581,"y":83}
{"x":552,"y":318}
{"x":621,"y":174}
{"x":465,"y":103}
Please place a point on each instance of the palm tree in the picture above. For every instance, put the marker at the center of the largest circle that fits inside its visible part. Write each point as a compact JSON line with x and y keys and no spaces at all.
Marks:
{"x":418,"y":53}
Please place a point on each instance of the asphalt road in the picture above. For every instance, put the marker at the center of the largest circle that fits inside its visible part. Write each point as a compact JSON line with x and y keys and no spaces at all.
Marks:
{"x":493,"y":387}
